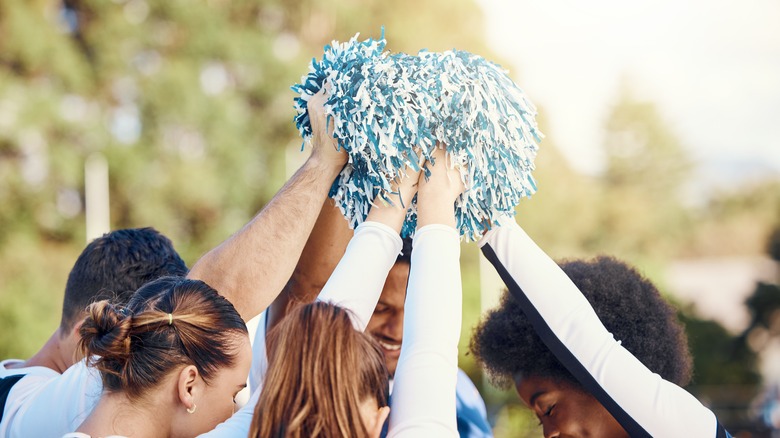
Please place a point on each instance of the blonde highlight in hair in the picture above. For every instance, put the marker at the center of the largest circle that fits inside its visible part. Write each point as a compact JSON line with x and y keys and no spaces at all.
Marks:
{"x":319,"y":371}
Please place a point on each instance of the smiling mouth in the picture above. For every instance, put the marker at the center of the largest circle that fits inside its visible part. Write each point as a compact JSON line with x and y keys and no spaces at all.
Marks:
{"x":389,"y":347}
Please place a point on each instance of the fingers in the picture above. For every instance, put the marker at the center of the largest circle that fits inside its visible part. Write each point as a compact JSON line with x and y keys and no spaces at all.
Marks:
{"x":381,"y":417}
{"x":444,"y":179}
{"x":438,"y":191}
{"x":325,"y":147}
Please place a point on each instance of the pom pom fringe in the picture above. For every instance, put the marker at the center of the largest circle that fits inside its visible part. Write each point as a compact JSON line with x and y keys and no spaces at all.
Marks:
{"x":390,"y":110}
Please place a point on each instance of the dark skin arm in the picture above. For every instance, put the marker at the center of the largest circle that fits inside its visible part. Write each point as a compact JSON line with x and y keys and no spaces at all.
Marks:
{"x":321,"y":254}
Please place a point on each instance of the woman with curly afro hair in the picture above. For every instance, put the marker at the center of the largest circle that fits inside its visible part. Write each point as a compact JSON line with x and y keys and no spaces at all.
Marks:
{"x":591,"y":346}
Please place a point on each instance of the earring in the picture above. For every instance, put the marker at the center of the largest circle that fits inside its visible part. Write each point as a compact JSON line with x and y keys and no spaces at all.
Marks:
{"x":192,"y":409}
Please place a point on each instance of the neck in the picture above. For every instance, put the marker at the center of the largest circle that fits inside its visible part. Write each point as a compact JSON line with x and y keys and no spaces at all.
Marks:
{"x":52,"y":355}
{"x":115,"y":414}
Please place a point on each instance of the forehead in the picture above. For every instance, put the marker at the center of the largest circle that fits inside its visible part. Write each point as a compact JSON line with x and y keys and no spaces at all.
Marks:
{"x":243,"y":357}
{"x":531,"y":386}
{"x":394,"y":290}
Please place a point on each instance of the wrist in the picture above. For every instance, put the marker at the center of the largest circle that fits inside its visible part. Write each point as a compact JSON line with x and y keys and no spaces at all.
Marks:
{"x":328,"y":168}
{"x":435,"y":211}
{"x":391,"y":214}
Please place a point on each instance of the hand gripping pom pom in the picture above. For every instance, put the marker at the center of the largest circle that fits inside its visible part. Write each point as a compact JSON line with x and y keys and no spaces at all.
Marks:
{"x":385,"y":105}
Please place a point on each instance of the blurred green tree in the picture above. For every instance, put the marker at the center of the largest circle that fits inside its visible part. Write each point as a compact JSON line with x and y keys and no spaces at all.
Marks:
{"x":646,"y":165}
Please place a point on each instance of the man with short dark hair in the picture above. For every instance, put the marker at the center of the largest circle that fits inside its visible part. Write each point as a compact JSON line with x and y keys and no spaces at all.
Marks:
{"x":112,"y":266}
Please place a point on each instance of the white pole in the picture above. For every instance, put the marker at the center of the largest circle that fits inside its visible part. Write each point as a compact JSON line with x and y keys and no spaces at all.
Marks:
{"x":96,"y":196}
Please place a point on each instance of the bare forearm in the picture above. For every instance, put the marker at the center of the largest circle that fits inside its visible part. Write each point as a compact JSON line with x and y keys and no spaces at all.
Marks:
{"x":322,"y":252}
{"x":251,"y":267}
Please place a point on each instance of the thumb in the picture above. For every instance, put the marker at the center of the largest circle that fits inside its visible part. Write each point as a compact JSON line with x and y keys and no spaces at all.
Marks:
{"x":381,"y":417}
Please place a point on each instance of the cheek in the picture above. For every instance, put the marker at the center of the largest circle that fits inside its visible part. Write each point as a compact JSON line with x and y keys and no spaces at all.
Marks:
{"x":217,"y":411}
{"x":587,"y":417}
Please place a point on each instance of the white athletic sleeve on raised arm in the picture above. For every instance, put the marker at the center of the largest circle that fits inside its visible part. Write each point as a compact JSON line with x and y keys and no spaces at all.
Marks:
{"x":358,"y":279}
{"x":424,"y":402}
{"x":643,"y":402}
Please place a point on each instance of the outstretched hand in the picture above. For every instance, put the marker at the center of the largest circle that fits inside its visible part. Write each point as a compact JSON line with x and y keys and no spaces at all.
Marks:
{"x":325,"y":147}
{"x":437,"y":193}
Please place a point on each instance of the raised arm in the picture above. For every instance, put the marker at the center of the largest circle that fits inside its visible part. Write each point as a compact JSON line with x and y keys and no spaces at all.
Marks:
{"x":424,"y":402}
{"x":642,"y":402}
{"x":357,"y":281}
{"x":251,"y":267}
{"x":326,"y":245}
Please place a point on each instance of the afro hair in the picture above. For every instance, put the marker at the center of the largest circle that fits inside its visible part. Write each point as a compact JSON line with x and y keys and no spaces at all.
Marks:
{"x":628,"y":305}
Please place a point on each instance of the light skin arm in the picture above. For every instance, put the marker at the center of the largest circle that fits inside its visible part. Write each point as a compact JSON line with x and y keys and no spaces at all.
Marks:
{"x":251,"y":267}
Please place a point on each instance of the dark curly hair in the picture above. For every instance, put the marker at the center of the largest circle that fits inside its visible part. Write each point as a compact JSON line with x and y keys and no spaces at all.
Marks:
{"x":628,"y":305}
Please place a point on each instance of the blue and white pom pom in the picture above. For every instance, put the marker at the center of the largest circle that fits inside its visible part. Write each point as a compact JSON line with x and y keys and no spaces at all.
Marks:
{"x":390,"y":111}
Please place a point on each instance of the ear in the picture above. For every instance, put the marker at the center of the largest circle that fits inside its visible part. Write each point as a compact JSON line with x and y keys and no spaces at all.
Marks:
{"x":186,"y":385}
{"x":379,"y":422}
{"x":70,"y":342}
{"x":76,"y":327}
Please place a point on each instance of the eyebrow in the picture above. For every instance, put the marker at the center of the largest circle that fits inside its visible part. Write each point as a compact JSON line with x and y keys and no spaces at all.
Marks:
{"x":533,"y":398}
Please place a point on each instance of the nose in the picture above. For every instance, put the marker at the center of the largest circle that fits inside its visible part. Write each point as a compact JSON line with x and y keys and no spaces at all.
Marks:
{"x":550,"y":431}
{"x":395,"y":325}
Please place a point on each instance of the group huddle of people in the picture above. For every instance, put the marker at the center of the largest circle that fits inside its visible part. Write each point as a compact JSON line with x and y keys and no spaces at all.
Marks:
{"x":358,"y":331}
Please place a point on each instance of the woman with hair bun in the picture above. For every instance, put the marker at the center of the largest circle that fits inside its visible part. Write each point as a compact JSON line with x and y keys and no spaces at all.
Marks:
{"x":171,"y":362}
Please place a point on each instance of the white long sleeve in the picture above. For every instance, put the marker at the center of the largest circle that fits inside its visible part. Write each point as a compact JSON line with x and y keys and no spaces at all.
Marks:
{"x":424,"y":402}
{"x":642,"y":402}
{"x":357,"y":281}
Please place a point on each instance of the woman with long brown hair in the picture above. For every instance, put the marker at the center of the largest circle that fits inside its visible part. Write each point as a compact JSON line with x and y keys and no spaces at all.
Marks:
{"x":171,"y":362}
{"x":336,"y":379}
{"x":327,"y":378}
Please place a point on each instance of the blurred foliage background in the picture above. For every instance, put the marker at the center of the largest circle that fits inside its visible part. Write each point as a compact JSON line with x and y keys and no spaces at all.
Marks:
{"x":189,"y":103}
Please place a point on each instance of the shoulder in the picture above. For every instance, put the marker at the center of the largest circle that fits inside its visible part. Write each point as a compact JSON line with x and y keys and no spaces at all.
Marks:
{"x":20,"y":385}
{"x":5,"y":365}
{"x":62,"y":399}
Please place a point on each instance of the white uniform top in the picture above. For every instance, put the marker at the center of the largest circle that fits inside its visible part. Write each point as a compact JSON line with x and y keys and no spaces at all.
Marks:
{"x":53,"y":404}
{"x":642,"y":402}
{"x":25,"y":389}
